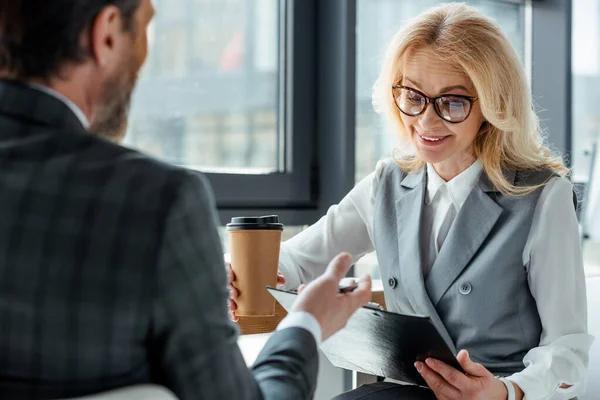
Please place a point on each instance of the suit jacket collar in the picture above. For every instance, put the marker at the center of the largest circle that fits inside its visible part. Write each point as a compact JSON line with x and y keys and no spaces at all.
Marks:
{"x":408,"y":211}
{"x":474,"y":222}
{"x":17,"y":100}
{"x":471,"y":227}
{"x":411,"y":180}
{"x":486,"y":184}
{"x":72,"y":106}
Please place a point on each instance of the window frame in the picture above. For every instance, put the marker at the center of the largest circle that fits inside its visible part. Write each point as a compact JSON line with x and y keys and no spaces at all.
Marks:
{"x":551,"y":80}
{"x":318,"y":114}
{"x":237,"y":194}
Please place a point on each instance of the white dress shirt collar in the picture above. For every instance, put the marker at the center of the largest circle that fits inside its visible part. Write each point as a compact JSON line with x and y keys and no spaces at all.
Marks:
{"x":458,"y":187}
{"x":76,"y":110}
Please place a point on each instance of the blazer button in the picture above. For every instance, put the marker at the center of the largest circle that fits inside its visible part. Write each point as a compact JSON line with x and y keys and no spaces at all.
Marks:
{"x":465,"y":288}
{"x":392,"y":282}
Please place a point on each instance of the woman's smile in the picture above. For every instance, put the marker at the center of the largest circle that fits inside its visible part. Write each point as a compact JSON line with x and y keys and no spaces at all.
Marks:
{"x":431,"y":140}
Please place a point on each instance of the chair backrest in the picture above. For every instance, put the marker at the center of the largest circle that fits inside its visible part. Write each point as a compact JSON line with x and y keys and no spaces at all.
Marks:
{"x":593,"y":384}
{"x":139,"y":392}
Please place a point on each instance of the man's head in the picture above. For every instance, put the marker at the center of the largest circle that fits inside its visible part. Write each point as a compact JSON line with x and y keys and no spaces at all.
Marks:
{"x":89,"y":50}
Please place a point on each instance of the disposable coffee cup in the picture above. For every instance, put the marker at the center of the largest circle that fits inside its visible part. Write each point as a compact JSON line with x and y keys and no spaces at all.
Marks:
{"x":254,"y":244}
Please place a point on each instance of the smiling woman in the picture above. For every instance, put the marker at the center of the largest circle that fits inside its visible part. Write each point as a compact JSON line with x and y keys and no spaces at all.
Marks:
{"x":476,"y":228}
{"x":454,"y":62}
{"x":442,"y":135}
{"x":377,"y":22}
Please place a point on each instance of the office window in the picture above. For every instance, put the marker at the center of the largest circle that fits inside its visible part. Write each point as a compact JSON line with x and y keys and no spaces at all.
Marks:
{"x":377,"y":21}
{"x":586,"y":85}
{"x":208,"y":96}
{"x":586,"y":123}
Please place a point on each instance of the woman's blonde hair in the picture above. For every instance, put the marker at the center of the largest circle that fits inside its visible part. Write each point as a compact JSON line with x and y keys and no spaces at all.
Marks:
{"x":460,"y":35}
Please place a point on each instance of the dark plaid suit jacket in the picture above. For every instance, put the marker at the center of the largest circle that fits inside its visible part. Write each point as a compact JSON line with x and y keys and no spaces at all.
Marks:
{"x":111,"y":271}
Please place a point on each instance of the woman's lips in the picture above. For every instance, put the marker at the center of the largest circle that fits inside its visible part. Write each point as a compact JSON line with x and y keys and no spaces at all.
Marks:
{"x":429,"y":140}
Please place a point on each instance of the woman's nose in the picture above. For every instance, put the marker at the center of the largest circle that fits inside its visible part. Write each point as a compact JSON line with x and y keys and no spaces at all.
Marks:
{"x":429,"y":118}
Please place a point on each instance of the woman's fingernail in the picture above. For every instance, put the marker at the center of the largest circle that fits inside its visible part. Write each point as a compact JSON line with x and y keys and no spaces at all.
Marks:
{"x":419,"y":366}
{"x":430,"y":361}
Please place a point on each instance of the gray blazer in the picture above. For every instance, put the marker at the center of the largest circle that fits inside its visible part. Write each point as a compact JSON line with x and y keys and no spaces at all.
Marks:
{"x":111,"y":272}
{"x":477,"y":292}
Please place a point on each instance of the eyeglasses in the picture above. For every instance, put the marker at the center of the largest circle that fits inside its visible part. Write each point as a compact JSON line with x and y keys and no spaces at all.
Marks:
{"x":451,"y":108}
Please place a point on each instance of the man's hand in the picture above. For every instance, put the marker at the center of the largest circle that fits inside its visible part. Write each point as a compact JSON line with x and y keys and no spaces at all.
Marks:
{"x":321,"y":298}
{"x":450,"y":384}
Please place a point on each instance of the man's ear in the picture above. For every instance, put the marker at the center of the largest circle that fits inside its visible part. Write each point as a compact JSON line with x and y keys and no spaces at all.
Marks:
{"x":104,"y":33}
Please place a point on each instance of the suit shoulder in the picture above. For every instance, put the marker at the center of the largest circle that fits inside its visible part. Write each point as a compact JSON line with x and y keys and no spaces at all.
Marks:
{"x":147,"y":177}
{"x":127,"y":159}
{"x":534,"y":177}
{"x":388,"y":166}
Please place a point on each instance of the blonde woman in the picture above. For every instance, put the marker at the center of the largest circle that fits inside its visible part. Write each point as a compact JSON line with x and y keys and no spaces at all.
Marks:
{"x":477,"y":229}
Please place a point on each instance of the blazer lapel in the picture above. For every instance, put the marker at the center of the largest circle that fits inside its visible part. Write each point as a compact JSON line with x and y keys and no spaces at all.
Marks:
{"x":408,"y":210}
{"x":472,"y":225}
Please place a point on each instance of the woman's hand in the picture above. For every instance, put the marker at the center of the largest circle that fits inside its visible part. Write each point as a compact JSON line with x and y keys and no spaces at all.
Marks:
{"x":233,"y":293}
{"x":477,"y":383}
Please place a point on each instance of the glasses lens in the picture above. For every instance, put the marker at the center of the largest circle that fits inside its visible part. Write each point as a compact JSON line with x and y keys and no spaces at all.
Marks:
{"x":409,"y":101}
{"x":453,"y":108}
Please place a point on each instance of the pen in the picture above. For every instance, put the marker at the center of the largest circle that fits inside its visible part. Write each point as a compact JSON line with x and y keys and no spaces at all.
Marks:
{"x":349,"y":288}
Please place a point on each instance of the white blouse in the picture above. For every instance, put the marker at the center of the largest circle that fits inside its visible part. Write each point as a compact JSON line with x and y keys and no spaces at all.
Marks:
{"x":552,"y":252}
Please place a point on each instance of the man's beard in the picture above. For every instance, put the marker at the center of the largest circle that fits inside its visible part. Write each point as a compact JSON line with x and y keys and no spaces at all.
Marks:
{"x":111,"y":117}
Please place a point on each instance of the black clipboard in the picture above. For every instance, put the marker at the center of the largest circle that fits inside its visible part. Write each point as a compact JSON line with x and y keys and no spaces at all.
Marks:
{"x":382,"y":343}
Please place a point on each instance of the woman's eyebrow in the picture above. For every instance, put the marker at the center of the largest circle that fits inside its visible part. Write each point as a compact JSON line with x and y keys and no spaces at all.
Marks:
{"x":451,"y":88}
{"x":412,"y":82}
{"x":443,"y":90}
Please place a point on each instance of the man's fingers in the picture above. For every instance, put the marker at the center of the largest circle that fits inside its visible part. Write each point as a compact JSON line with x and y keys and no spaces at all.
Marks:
{"x":441,"y":388}
{"x":339,"y":266}
{"x":233,"y":293}
{"x":364,"y":282}
{"x":362,"y":294}
{"x":347,"y":281}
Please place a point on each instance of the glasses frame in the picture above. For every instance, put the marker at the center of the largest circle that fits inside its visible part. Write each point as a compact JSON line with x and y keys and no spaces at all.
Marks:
{"x":429,"y":100}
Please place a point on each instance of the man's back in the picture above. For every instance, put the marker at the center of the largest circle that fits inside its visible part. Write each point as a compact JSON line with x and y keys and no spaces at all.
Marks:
{"x":79,"y":235}
{"x":110,"y":269}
